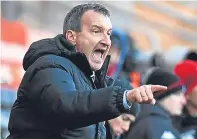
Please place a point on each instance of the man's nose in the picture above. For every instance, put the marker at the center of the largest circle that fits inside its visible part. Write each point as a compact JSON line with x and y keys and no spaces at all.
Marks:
{"x":125,"y":128}
{"x":106,"y":40}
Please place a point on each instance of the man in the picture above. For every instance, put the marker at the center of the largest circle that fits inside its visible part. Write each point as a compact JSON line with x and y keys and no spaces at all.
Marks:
{"x":64,"y":92}
{"x":154,"y":122}
{"x":187,"y":124}
{"x":120,"y":125}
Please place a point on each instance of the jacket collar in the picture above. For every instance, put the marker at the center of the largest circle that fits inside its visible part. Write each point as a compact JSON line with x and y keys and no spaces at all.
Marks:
{"x":79,"y":59}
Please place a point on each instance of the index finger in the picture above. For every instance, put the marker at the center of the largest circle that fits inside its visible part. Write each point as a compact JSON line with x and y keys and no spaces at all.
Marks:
{"x":156,"y":88}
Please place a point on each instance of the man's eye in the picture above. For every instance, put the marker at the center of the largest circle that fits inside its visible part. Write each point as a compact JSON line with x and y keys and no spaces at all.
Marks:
{"x":95,"y":31}
{"x":125,"y":118}
{"x":109,"y":33}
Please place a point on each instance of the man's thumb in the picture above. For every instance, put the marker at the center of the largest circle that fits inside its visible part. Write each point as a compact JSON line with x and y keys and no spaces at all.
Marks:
{"x":153,"y":102}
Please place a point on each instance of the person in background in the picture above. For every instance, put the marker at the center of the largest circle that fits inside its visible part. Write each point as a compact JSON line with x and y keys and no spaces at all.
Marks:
{"x":187,"y":123}
{"x":154,"y":122}
{"x":119,"y":52}
{"x":191,"y":55}
{"x":123,"y":54}
{"x":120,"y":125}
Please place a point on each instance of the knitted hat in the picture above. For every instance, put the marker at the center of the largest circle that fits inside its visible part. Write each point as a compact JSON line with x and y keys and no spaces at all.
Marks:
{"x":187,"y":71}
{"x":158,"y":76}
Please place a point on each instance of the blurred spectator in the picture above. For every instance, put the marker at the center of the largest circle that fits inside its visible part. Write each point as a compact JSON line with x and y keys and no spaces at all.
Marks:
{"x":187,"y":124}
{"x":129,"y":70}
{"x":118,"y":51}
{"x":122,"y":63}
{"x":191,"y":55}
{"x":120,"y":125}
{"x":115,"y":56}
{"x":157,"y":60}
{"x":117,"y":68}
{"x":154,"y":122}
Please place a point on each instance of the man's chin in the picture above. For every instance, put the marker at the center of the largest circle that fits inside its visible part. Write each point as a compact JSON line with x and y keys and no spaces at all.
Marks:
{"x":95,"y":66}
{"x":177,"y":113}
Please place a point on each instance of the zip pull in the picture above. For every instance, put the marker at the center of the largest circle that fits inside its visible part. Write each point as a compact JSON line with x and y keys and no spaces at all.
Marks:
{"x":93,"y":76}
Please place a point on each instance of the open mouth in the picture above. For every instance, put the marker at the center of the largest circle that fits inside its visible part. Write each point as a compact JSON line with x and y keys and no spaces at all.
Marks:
{"x":99,"y":53}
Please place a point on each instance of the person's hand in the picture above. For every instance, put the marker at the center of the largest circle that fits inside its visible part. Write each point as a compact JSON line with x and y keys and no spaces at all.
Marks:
{"x":144,"y":94}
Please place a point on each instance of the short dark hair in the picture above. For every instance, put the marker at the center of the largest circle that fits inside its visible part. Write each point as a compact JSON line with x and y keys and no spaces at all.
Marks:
{"x":72,"y":20}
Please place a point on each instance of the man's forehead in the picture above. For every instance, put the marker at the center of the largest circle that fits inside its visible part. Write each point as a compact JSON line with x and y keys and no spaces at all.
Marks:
{"x":92,"y":18}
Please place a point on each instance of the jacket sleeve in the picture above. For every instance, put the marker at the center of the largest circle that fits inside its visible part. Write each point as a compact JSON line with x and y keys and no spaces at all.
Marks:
{"x":54,"y":91}
{"x":124,"y":83}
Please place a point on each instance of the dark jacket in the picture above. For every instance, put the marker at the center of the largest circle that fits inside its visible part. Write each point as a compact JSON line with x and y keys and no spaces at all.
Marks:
{"x":186,"y":125}
{"x":153,"y":122}
{"x":57,"y":98}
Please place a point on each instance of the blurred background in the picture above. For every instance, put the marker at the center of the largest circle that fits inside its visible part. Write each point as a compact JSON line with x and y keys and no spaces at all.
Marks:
{"x":146,"y":34}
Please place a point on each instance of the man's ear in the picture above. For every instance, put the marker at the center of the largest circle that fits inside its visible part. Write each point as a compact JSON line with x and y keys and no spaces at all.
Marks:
{"x":70,"y":35}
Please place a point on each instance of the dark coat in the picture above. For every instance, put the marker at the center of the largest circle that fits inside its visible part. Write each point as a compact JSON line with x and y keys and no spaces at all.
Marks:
{"x":186,"y":125}
{"x":57,"y":98}
{"x":153,"y":122}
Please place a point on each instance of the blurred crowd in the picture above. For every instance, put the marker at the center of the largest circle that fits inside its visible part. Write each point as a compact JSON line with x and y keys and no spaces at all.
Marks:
{"x":173,"y":116}
{"x":175,"y":113}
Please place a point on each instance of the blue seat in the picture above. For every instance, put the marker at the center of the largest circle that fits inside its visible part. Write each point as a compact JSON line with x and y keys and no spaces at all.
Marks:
{"x":8,"y":97}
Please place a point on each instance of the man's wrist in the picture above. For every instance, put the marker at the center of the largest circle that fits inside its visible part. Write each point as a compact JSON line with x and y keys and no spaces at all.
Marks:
{"x":127,"y":105}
